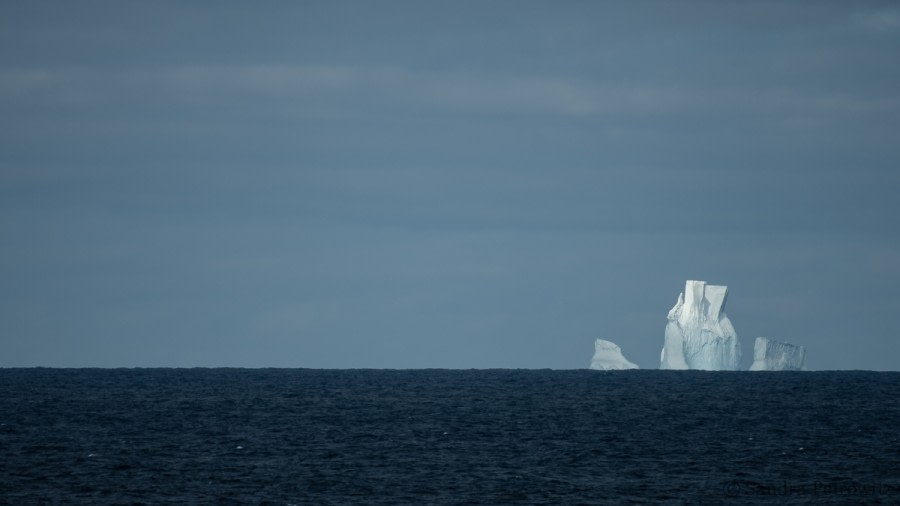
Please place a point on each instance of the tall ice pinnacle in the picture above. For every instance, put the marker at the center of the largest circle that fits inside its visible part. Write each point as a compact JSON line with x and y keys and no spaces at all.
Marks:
{"x":699,"y":334}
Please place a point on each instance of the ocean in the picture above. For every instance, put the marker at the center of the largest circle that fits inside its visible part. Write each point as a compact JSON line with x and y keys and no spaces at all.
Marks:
{"x":302,"y":436}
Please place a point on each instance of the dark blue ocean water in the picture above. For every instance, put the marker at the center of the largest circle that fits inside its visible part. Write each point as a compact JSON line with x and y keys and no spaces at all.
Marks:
{"x":282,"y":436}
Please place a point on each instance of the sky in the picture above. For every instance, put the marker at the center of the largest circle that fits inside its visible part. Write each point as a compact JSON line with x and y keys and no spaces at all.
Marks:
{"x":461,"y":184}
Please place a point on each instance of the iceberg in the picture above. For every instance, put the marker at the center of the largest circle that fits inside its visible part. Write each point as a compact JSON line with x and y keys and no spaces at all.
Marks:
{"x":699,"y":334}
{"x":608,"y":357}
{"x":772,"y":355}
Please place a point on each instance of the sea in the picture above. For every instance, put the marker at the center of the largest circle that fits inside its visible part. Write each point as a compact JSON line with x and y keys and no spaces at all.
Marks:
{"x":304,"y":436}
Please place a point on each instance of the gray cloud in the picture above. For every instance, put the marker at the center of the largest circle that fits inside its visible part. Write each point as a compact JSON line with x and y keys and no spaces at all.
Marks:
{"x":420,"y":90}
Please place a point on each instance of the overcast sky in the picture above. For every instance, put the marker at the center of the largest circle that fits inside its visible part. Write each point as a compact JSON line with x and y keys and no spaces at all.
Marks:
{"x":443,"y":184}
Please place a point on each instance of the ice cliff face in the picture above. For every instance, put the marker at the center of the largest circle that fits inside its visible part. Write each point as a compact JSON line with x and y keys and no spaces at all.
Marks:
{"x":608,"y":357}
{"x":699,"y":335}
{"x":771,"y":355}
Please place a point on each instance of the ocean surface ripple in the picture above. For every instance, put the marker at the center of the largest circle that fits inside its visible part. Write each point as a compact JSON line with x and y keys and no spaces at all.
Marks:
{"x":301,"y":436}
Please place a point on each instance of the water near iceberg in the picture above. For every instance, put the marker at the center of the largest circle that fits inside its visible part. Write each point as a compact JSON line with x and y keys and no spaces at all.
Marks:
{"x":232,"y":436}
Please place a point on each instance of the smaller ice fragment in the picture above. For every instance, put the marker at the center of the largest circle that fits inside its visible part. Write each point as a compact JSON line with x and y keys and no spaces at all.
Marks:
{"x":608,"y":357}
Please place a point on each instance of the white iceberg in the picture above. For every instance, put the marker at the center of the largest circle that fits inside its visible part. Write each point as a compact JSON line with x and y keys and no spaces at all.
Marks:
{"x":699,"y":334}
{"x":772,"y":355}
{"x":608,"y":357}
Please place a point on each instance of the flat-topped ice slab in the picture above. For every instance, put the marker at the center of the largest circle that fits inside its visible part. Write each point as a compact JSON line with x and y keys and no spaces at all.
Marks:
{"x":772,"y":355}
